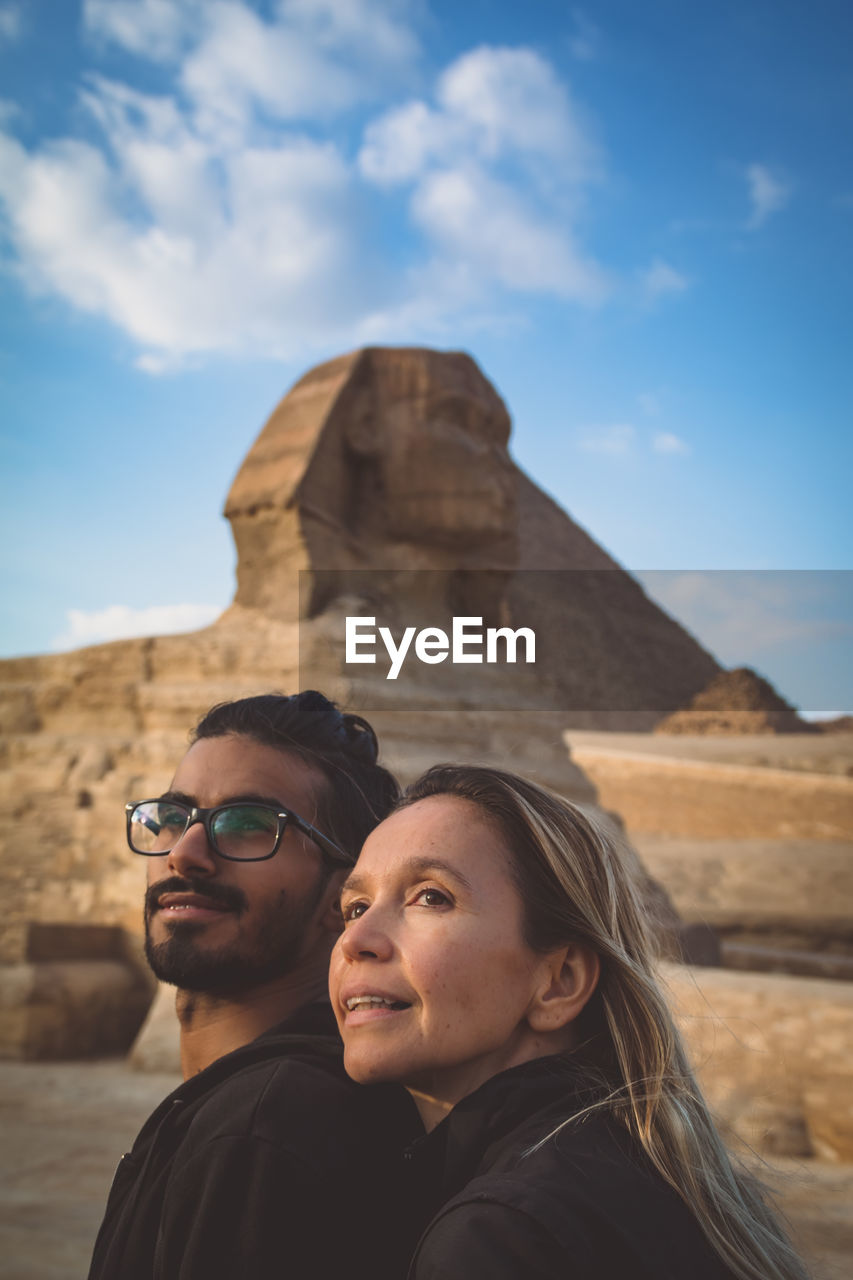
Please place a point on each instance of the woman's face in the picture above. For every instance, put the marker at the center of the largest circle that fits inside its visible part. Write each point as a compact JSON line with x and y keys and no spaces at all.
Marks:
{"x":431,"y":980}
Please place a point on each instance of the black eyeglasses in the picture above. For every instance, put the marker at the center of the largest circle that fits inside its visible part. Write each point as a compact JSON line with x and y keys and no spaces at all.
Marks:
{"x":240,"y":832}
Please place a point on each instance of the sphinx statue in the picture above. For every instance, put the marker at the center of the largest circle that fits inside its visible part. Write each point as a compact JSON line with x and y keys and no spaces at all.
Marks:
{"x":385,"y":474}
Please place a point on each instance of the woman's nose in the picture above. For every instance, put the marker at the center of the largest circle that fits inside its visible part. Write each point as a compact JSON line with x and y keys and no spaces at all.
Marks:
{"x":192,"y":855}
{"x":367,"y":937}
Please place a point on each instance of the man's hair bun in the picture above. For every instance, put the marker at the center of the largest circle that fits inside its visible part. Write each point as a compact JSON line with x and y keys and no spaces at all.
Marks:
{"x":360,"y":738}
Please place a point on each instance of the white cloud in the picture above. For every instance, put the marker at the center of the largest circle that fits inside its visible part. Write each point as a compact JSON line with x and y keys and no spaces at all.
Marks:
{"x":483,"y":223}
{"x":376,"y":30}
{"x":615,"y":441}
{"x":768,"y":193}
{"x":661,"y":279}
{"x":586,"y":40}
{"x":380,"y":29}
{"x":666,"y":442}
{"x":236,"y":249}
{"x":123,"y":622}
{"x":224,"y":215}
{"x":511,"y":101}
{"x":738,"y":613}
{"x":245,"y":64}
{"x":158,"y":362}
{"x":492,"y":104}
{"x":796,"y":626}
{"x":11,"y":26}
{"x":618,"y":439}
{"x":310,"y":59}
{"x":398,"y":146}
{"x":650,"y":403}
{"x":152,"y":28}
{"x":499,"y":113}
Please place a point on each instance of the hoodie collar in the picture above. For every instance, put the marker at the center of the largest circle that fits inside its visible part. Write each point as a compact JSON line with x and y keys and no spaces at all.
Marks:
{"x":539,"y":1094}
{"x":312,"y":1029}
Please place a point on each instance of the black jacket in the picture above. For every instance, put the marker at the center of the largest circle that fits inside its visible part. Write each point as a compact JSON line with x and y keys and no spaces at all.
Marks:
{"x":587,"y":1205}
{"x":260,"y":1166}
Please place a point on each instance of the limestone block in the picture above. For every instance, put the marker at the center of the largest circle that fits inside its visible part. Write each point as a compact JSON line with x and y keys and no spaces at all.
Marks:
{"x":69,"y":1008}
{"x":664,"y":796}
{"x":773,"y":1056}
{"x":828,"y":1110}
{"x":795,"y":889}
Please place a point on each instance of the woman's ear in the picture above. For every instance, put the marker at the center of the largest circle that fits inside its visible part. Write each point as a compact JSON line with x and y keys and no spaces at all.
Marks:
{"x":570,"y":976}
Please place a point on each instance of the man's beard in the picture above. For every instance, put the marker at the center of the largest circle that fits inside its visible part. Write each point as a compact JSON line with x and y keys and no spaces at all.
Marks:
{"x":269,"y":952}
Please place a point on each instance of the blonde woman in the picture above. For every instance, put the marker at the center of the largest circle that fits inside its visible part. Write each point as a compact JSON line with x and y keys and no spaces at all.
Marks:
{"x":495,"y":962}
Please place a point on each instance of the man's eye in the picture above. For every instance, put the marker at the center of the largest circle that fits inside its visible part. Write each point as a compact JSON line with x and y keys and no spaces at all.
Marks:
{"x":245,"y":821}
{"x":432,"y":898}
{"x":352,"y":911}
{"x":172,"y":819}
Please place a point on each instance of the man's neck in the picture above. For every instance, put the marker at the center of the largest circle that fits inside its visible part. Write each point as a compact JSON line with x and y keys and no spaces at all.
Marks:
{"x":213,"y":1025}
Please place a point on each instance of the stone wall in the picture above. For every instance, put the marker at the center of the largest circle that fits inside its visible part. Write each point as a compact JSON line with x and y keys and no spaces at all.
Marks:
{"x":657,"y":795}
{"x":773,"y":1056}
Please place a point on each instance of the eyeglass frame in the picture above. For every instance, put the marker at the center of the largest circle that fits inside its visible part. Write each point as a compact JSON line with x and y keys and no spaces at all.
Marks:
{"x":204,"y":816}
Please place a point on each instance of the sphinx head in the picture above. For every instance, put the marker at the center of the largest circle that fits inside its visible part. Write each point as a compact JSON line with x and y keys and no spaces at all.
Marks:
{"x":390,"y":459}
{"x":427,"y":434}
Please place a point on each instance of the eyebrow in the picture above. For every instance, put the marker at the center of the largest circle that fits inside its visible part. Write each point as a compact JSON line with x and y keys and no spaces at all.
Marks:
{"x":181,"y":797}
{"x":412,"y":868}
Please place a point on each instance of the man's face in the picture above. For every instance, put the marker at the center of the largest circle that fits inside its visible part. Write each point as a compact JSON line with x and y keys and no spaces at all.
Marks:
{"x":221,"y":926}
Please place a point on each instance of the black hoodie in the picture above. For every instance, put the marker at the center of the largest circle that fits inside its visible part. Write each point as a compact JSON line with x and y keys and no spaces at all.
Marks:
{"x":587,"y":1204}
{"x":263,"y":1165}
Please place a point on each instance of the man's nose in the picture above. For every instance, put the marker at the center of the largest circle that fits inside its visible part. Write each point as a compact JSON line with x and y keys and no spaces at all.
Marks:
{"x":193,"y":853}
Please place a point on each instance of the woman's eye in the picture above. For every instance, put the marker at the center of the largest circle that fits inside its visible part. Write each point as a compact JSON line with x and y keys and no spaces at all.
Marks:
{"x":432,"y":898}
{"x":352,"y":910}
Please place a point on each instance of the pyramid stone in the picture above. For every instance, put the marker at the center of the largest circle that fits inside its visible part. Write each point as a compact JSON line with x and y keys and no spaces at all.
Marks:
{"x":737,"y":701}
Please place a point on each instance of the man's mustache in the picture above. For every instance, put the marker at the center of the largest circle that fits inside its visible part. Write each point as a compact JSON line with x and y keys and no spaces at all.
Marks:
{"x":224,"y":895}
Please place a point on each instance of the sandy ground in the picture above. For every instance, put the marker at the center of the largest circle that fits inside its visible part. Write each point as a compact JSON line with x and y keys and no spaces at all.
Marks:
{"x":64,"y":1126}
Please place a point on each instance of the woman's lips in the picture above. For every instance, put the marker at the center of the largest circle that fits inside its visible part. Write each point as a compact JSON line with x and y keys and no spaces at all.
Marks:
{"x":370,"y":1007}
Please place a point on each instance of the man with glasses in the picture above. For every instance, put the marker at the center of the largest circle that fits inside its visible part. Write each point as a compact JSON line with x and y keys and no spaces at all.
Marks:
{"x":267,"y":1160}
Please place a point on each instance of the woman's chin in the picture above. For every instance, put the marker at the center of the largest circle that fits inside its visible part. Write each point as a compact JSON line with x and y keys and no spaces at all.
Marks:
{"x":366,"y":1070}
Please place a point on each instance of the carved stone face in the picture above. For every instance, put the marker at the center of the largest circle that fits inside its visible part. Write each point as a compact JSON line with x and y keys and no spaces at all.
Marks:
{"x":432,"y":458}
{"x":389,"y":458}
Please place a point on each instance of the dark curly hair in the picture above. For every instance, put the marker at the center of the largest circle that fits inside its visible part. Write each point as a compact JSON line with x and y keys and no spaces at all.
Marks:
{"x":360,"y":792}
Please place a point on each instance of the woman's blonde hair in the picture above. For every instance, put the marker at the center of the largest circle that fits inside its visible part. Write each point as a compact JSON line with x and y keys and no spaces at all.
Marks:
{"x":575,"y":886}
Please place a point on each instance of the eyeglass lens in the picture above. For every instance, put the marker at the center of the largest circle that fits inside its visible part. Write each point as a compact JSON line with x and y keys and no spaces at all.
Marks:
{"x":238,"y":830}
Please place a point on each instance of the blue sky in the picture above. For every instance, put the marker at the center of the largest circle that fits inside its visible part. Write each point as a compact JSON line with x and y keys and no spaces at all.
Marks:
{"x":637,"y":218}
